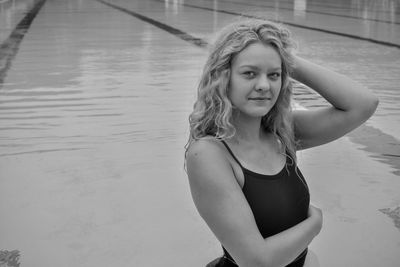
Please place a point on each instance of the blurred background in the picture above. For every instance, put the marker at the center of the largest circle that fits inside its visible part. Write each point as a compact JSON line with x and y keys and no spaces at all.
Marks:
{"x":94,"y":104}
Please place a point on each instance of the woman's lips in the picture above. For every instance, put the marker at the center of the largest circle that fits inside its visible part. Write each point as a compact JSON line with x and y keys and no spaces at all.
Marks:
{"x":259,"y":98}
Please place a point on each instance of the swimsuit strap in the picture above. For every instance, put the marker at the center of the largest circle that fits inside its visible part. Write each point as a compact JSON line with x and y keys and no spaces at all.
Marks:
{"x":230,"y":152}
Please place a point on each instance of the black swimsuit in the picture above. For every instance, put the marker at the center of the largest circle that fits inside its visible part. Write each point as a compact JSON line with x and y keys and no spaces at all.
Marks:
{"x":278,"y":202}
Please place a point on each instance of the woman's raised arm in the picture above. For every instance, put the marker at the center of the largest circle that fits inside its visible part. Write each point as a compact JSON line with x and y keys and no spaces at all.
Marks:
{"x":352,"y":104}
{"x":221,"y":202}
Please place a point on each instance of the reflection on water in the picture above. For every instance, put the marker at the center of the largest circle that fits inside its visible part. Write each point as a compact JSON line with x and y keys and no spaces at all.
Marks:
{"x":111,"y":93}
{"x":82,"y":87}
{"x":173,"y":5}
{"x":372,"y":9}
{"x":299,"y":8}
{"x":11,"y":11}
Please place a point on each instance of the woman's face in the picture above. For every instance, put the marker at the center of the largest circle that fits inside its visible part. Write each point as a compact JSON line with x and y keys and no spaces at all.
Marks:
{"x":255,"y":80}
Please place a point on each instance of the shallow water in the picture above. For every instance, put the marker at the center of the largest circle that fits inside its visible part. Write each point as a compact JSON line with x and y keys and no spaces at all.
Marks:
{"x":93,"y":119}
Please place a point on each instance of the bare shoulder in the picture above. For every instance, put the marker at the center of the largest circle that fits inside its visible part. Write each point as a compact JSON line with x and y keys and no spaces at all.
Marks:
{"x":204,"y":154}
{"x":206,"y":160}
{"x":205,"y":147}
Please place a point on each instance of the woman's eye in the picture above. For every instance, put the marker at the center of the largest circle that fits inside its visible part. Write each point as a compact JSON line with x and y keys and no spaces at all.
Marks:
{"x":249,"y":74}
{"x":275,"y":75}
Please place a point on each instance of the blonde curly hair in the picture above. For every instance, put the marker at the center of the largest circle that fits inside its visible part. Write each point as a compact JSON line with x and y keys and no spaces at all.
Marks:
{"x":212,"y":113}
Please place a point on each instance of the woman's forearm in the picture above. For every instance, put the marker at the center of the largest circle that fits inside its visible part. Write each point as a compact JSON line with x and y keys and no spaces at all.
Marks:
{"x":342,"y":92}
{"x":281,"y":249}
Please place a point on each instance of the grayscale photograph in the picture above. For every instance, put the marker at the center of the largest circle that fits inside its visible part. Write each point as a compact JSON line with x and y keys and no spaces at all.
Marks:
{"x":200,"y":133}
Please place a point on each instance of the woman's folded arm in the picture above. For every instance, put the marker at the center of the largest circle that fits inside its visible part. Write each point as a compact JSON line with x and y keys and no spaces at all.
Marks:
{"x":222,"y":204}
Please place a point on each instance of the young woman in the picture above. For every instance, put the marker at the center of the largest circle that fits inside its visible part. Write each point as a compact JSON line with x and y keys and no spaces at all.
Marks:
{"x":241,"y":154}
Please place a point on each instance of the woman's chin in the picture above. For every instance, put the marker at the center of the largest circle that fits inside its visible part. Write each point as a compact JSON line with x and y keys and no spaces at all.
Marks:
{"x":258,"y":113}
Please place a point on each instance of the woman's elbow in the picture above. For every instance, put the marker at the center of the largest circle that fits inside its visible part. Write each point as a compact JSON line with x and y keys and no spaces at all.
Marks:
{"x":371,"y":106}
{"x":365,"y":109}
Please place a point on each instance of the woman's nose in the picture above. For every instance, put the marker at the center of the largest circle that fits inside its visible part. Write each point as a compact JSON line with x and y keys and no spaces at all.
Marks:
{"x":262,"y":83}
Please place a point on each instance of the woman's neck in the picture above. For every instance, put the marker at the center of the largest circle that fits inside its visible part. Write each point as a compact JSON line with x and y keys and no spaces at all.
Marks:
{"x":248,"y":129}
